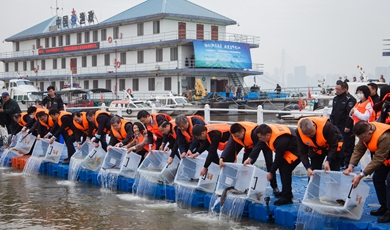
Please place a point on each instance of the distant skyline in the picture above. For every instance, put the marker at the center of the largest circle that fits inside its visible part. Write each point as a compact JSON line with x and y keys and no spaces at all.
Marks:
{"x":327,"y":37}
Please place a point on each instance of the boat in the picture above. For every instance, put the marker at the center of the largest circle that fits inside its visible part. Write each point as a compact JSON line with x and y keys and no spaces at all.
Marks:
{"x":173,"y":101}
{"x":130,"y":108}
{"x":79,"y":97}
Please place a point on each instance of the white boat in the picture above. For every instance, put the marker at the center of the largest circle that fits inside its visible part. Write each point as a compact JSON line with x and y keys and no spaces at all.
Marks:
{"x":23,"y":91}
{"x":172,"y":101}
{"x":130,"y":108}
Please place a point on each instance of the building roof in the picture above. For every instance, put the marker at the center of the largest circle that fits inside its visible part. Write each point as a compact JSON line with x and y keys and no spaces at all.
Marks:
{"x":173,"y":9}
{"x":38,"y":29}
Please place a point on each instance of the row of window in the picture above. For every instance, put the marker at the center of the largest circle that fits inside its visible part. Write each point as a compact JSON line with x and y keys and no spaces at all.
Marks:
{"x":87,"y":36}
{"x":107,"y":62}
{"x":122,"y":84}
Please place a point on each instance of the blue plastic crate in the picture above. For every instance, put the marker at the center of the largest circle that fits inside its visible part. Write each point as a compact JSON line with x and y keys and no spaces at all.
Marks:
{"x":53,"y":169}
{"x":63,"y":171}
{"x":170,"y":193}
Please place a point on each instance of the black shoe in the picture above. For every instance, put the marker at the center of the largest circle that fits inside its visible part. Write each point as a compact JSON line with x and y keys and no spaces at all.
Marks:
{"x":283,"y":201}
{"x":65,"y":161}
{"x":385,"y":218}
{"x":379,"y":212}
{"x":277,"y":193}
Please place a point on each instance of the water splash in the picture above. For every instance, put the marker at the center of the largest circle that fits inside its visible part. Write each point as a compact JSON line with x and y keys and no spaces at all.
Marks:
{"x":109,"y":178}
{"x":7,"y":154}
{"x":32,"y":166}
{"x":74,"y":169}
{"x":232,"y":209}
{"x":184,"y":196}
{"x":144,"y":186}
{"x":308,"y":217}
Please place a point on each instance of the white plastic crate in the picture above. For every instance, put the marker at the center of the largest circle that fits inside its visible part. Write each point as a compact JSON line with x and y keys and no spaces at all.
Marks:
{"x":331,"y":193}
{"x":113,"y":158}
{"x":188,"y":174}
{"x":24,"y":145}
{"x":155,"y":167}
{"x":86,"y":147}
{"x":300,"y":171}
{"x":53,"y":152}
{"x":129,"y":165}
{"x":94,"y":160}
{"x":249,"y":179}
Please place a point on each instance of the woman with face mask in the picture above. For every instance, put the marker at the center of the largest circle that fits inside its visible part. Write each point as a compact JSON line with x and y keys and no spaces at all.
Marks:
{"x":363,"y":110}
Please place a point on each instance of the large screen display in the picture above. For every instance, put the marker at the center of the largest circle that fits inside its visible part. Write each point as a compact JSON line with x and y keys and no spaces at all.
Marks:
{"x":220,"y":54}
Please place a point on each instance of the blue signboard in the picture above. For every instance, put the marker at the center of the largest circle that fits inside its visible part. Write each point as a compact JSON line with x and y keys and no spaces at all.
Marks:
{"x":220,"y":54}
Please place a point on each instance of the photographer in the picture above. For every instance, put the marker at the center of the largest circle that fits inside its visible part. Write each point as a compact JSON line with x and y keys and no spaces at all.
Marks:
{"x":382,"y":108}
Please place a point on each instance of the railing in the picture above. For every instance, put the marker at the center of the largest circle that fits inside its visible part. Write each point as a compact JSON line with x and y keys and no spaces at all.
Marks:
{"x":207,"y":112}
{"x":151,"y":38}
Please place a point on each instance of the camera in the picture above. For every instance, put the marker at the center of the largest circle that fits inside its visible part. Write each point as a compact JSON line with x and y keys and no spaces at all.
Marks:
{"x":384,"y":112}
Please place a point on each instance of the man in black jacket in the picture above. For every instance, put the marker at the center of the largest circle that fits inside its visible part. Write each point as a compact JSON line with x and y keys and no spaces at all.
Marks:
{"x":343,"y":102}
{"x":52,"y":100}
{"x":99,"y":120}
{"x":10,"y":108}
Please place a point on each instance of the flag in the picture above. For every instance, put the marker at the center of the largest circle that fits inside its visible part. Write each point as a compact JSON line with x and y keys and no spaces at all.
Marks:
{"x":70,"y":64}
{"x":308,"y":93}
{"x":101,"y":97}
{"x":254,"y":79}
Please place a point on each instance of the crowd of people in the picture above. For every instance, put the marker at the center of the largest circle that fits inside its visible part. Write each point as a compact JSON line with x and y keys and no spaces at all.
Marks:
{"x":317,"y":142}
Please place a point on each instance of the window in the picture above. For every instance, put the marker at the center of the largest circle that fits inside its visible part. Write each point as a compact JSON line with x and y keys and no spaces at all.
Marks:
{"x":43,"y":64}
{"x":122,"y":84}
{"x":107,"y":59}
{"x":61,"y":84}
{"x":24,"y":66}
{"x":116,"y":32}
{"x":86,"y":37}
{"x":159,"y":55}
{"x":135,"y":85}
{"x":94,"y":60}
{"x":54,"y":63}
{"x":167,"y":84}
{"x":86,"y":84}
{"x":53,"y":42}
{"x":95,"y":36}
{"x":67,"y":38}
{"x":95,"y":84}
{"x":16,"y":66}
{"x":32,"y":65}
{"x":47,"y":42}
{"x":84,"y":61}
{"x":60,"y":40}
{"x":38,"y":43}
{"x":103,"y":35}
{"x":42,"y":85}
{"x":53,"y":83}
{"x":140,"y":56}
{"x":6,"y":66}
{"x":151,"y":84}
{"x":17,"y":46}
{"x":108,"y":84}
{"x":123,"y":58}
{"x":63,"y":63}
{"x":174,"y":54}
{"x":140,"y":29}
{"x":78,"y":38}
{"x":156,"y":27}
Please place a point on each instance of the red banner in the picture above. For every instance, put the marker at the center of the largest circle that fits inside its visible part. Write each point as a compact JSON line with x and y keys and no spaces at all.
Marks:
{"x":65,"y":49}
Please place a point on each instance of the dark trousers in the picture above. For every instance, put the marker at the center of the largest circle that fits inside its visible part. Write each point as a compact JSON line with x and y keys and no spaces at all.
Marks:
{"x":286,"y":170}
{"x":158,"y":143}
{"x":318,"y":159}
{"x":103,"y":141}
{"x":348,"y":145}
{"x":69,"y":140}
{"x":381,"y":180}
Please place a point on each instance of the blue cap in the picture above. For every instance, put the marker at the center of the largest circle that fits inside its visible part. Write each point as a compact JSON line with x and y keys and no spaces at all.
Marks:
{"x":5,"y":94}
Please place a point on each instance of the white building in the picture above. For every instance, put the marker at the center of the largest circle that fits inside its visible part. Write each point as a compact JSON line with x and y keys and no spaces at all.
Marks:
{"x":151,"y":48}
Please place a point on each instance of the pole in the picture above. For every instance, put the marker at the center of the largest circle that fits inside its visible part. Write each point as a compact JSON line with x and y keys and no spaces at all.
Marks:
{"x":207,"y":113}
{"x":260,"y":115}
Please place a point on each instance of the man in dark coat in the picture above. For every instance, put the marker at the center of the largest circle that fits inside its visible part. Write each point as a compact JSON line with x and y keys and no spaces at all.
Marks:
{"x":52,"y":100}
{"x":10,"y":108}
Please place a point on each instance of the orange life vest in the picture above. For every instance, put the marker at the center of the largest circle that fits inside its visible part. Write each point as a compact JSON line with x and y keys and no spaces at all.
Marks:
{"x":122,"y":133}
{"x":361,"y":107}
{"x":97,"y":113}
{"x":22,"y":122}
{"x":380,"y":128}
{"x":321,"y":143}
{"x":59,"y":121}
{"x":40,"y":110}
{"x":154,"y":128}
{"x":84,"y":126}
{"x":378,"y":114}
{"x":277,"y":131}
{"x":173,"y":130}
{"x":139,"y":139}
{"x":223,"y":128}
{"x":49,"y":124}
{"x":249,"y":127}
{"x":188,"y":133}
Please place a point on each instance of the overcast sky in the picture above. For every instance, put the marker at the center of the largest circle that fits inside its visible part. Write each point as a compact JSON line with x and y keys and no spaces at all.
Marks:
{"x":326,"y":36}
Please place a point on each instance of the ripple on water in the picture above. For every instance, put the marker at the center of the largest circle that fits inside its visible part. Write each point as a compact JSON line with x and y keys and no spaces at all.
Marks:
{"x":66,"y":182}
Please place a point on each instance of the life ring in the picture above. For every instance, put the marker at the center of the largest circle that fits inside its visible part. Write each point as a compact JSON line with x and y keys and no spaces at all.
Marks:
{"x":109,"y":39}
{"x":129,"y":111}
{"x":303,"y":102}
{"x":35,"y":70}
{"x":118,"y":64}
{"x":129,"y":91}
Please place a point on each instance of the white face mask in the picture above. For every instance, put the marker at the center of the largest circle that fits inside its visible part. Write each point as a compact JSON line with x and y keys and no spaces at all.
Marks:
{"x":359,"y":96}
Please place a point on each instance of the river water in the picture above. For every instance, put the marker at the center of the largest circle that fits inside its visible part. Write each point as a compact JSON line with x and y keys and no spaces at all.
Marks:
{"x":44,"y":202}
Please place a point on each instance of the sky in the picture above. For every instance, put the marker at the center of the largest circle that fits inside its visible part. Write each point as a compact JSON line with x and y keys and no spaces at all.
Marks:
{"x":326,"y":36}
